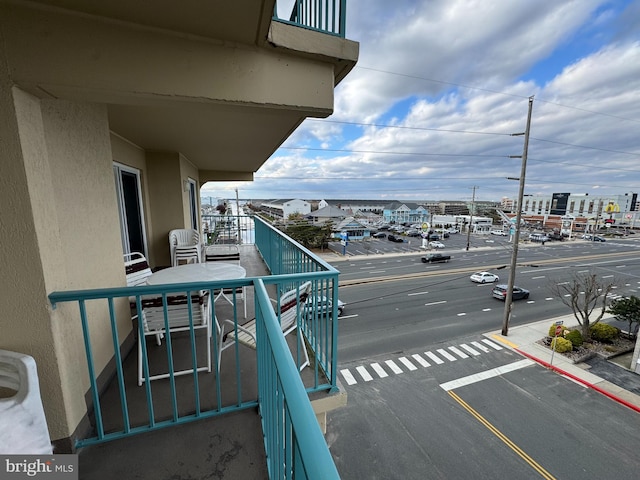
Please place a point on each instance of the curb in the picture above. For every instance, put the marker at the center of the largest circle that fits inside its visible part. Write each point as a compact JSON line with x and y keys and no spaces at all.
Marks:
{"x":580,"y":380}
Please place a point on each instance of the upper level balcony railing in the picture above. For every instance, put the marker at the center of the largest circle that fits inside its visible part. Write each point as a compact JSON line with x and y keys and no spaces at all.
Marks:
{"x":270,"y":380}
{"x":327,"y":16}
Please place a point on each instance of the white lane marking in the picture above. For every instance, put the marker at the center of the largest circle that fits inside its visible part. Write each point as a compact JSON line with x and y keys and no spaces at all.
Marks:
{"x":472,"y":351}
{"x":420,"y":360}
{"x":494,"y":372}
{"x":366,"y":376}
{"x":458,"y":352}
{"x":486,"y":309}
{"x":537,"y":278}
{"x":393,"y":366}
{"x":348,"y":377}
{"x":377,"y":271}
{"x":549,"y":298}
{"x":446,"y":355}
{"x":480,"y":346}
{"x":416,"y":293}
{"x":538,"y":270}
{"x":379,"y":370}
{"x":491,"y":344}
{"x":435,"y":303}
{"x":434,"y":357}
{"x":461,"y":314}
{"x":342,"y":317}
{"x":407,"y":363}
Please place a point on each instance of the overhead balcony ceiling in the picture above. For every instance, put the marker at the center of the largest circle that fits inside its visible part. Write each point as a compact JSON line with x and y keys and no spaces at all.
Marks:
{"x":218,"y":82}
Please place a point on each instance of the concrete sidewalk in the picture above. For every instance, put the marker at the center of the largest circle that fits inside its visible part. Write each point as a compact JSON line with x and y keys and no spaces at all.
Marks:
{"x":524,"y":338}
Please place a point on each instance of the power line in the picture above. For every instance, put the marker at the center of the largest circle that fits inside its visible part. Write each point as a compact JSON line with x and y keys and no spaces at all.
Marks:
{"x":470,"y":87}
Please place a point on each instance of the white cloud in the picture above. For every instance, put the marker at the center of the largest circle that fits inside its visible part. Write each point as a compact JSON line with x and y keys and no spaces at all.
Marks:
{"x":438,"y":68}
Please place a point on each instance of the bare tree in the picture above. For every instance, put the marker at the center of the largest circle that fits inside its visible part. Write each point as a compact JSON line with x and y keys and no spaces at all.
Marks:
{"x":587,"y":298}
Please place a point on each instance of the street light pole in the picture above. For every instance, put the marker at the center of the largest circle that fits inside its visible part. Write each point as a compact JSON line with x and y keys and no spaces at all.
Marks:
{"x":508,"y":301}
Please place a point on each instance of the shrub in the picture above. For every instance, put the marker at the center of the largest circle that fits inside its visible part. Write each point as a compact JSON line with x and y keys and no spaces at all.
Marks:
{"x":552,"y":330}
{"x":575,"y":337}
{"x":561,"y":345}
{"x":604,"y":332}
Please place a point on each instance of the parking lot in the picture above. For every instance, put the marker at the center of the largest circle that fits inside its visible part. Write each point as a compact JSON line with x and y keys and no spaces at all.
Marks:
{"x":381,"y":246}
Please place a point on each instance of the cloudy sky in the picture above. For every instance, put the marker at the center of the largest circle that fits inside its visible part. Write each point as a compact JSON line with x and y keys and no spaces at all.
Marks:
{"x":440,"y":86}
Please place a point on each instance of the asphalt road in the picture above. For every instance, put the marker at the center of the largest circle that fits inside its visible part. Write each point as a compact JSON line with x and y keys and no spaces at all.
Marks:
{"x":489,"y":416}
{"x":430,"y":397}
{"x":400,"y":303}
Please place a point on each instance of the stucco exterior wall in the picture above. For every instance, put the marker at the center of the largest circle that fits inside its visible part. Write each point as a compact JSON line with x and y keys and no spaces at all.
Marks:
{"x":166,"y":199}
{"x":59,"y":210}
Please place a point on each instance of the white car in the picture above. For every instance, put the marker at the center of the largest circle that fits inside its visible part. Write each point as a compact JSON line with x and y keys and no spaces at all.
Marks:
{"x":436,"y":245}
{"x":499,"y":232}
{"x":484,"y":277}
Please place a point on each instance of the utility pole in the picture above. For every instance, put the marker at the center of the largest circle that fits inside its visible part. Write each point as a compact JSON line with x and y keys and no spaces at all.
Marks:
{"x":508,"y":301}
{"x":473,"y":206}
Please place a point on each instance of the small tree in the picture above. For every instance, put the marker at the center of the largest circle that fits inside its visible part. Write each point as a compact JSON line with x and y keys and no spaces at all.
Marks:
{"x":627,"y":309}
{"x":587,"y":298}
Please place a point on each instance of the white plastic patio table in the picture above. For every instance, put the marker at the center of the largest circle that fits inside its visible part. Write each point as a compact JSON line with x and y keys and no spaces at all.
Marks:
{"x":197,"y":272}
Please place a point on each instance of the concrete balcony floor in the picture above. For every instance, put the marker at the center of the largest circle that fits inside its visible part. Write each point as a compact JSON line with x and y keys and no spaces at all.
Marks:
{"x":227,"y":446}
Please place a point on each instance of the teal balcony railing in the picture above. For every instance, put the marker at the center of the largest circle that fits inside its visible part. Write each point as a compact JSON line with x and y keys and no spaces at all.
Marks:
{"x":294,"y":444}
{"x":326,"y":16}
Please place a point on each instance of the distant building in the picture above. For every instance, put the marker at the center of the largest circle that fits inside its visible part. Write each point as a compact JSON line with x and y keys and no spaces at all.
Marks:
{"x":354,"y":229}
{"x":327,"y":214}
{"x":282,"y":209}
{"x":614,"y":209}
{"x":352,"y":206}
{"x":407,"y":212}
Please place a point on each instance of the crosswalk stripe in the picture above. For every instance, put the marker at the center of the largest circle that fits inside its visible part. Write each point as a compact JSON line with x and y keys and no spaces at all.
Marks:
{"x":407,"y":363}
{"x":434,"y":357}
{"x":491,"y":344}
{"x":366,"y":376}
{"x":480,"y":346}
{"x":446,"y":355}
{"x":469,"y":349}
{"x":348,"y":377}
{"x":421,"y":360}
{"x":379,"y":370}
{"x":458,"y":352}
{"x":394,"y":367}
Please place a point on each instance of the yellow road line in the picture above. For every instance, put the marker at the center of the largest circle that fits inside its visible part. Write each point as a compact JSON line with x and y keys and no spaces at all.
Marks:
{"x":536,"y":466}
{"x":504,"y":340}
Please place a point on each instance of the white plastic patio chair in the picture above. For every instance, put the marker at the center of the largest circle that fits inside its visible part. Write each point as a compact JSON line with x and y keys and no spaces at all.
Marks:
{"x":153,"y":322}
{"x":184,"y":245}
{"x":291,"y":305}
{"x":137,"y":271}
{"x":227,"y":253}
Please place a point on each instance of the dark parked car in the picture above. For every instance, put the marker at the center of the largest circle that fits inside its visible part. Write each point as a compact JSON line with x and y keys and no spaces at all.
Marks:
{"x":500,"y":292}
{"x":435,"y":257}
{"x":393,"y":238}
{"x":434,"y":236}
{"x":379,"y":235}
